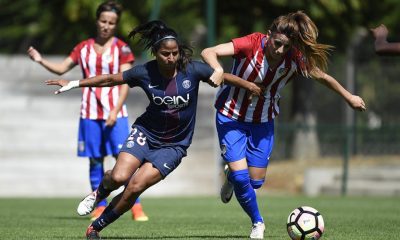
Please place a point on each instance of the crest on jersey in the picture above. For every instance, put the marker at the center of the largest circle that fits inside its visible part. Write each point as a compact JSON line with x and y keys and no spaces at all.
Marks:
{"x":126,"y":49}
{"x":186,"y":84}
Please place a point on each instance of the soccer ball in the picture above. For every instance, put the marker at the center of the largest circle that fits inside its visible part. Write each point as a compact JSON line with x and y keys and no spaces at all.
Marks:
{"x":305,"y":223}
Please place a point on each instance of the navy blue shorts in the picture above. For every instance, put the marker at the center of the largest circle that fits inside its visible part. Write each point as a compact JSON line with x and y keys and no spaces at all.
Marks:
{"x":165,"y":159}
{"x":240,"y":140}
{"x":96,"y":140}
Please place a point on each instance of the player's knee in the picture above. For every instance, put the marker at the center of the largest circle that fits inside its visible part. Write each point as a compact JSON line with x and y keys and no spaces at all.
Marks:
{"x":118,"y":178}
{"x":239,"y":179}
{"x":135,"y":188}
{"x":256,"y":184}
{"x":96,"y":161}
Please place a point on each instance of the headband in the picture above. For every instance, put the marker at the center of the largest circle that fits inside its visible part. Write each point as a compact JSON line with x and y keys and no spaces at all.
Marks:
{"x":163,"y":38}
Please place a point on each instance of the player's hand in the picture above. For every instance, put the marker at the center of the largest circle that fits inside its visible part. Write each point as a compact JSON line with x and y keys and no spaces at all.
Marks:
{"x":357,"y":103}
{"x":380,"y":32}
{"x":65,"y":84}
{"x":217,"y":77}
{"x":34,"y":54}
{"x":112,"y":118}
{"x":255,"y":89}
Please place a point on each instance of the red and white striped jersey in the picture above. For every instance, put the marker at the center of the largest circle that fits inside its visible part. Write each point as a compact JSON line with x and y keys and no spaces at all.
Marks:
{"x":251,"y":64}
{"x":98,"y":101}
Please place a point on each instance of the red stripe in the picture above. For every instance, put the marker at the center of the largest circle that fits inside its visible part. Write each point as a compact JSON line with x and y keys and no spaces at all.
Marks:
{"x":234,"y":98}
{"x":260,"y":103}
{"x":99,"y":107}
{"x":253,"y":75}
{"x":275,"y":87}
{"x":233,"y":102}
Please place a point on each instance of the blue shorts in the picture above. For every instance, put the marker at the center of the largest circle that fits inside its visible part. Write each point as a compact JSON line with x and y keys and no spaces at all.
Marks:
{"x":240,"y":140}
{"x":96,"y":140}
{"x":165,"y":159}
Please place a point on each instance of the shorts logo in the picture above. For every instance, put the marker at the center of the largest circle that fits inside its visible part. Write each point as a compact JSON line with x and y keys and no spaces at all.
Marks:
{"x":81,"y":146}
{"x":186,"y":84}
{"x":130,"y":144}
{"x":166,"y":166}
{"x":223,"y":149}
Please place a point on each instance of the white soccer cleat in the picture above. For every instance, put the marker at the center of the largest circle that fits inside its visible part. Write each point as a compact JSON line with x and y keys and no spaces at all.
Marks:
{"x":257,"y":231}
{"x":87,"y":204}
{"x":227,"y":188}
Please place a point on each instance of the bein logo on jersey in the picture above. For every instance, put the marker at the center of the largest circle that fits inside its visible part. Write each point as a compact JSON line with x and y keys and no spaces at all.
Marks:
{"x":172,"y":101}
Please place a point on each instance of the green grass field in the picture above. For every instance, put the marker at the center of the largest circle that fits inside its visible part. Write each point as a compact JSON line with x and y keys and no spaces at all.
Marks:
{"x":202,"y":218}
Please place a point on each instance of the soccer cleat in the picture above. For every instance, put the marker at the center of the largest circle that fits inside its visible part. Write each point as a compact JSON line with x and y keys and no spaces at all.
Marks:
{"x":257,"y":231}
{"x":227,"y":188}
{"x":138,"y":214}
{"x":97,"y":212}
{"x":87,"y":204}
{"x":92,"y":234}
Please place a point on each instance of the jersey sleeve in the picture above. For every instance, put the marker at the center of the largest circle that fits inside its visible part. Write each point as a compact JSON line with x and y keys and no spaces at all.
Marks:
{"x":244,"y":46}
{"x":202,"y":71}
{"x":126,"y":55}
{"x":75,"y":53}
{"x":132,"y":76}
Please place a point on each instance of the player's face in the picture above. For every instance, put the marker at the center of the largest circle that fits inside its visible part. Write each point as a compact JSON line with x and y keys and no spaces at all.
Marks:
{"x":168,"y":54}
{"x":106,"y":24}
{"x":277,"y":46}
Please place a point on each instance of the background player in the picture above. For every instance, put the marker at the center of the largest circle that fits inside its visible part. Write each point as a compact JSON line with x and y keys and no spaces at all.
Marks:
{"x":382,"y":46}
{"x":103,"y":124}
{"x":245,"y":125}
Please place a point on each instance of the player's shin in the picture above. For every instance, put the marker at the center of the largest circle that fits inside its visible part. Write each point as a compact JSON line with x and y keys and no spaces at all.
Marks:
{"x":108,"y":217}
{"x":245,"y":194}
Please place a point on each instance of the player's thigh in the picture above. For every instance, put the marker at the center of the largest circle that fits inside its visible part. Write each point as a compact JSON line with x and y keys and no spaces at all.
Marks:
{"x":232,"y":138}
{"x":146,"y":176}
{"x":260,"y":144}
{"x":125,"y":166}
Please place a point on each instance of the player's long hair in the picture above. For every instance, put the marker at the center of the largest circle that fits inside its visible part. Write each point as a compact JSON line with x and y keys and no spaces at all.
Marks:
{"x":302,"y":31}
{"x":153,"y":33}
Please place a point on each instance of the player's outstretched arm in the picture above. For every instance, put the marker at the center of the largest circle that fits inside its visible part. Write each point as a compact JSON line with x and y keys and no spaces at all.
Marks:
{"x":382,"y":46}
{"x":106,"y":80}
{"x":354,"y":101}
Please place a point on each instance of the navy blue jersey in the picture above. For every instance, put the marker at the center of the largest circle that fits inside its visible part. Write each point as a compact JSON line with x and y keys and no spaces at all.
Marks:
{"x":170,"y":117}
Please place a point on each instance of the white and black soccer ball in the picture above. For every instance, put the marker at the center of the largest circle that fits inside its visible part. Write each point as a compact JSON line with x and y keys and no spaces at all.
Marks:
{"x":305,"y":223}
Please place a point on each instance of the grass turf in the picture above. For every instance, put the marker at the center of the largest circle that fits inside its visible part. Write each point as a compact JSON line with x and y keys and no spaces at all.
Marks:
{"x":352,"y":218}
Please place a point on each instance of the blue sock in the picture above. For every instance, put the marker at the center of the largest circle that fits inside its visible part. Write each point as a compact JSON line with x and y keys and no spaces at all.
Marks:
{"x":96,"y":174}
{"x":137,"y":200}
{"x":105,"y":219}
{"x":245,"y":194}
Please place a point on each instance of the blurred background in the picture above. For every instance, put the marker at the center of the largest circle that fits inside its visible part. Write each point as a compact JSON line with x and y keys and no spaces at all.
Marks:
{"x":322,"y":146}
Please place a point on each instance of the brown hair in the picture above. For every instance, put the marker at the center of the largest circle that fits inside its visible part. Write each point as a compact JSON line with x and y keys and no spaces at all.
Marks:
{"x":302,"y":31}
{"x":109,"y":6}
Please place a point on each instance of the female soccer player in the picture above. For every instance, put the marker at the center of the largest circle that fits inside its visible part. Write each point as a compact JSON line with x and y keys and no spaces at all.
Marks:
{"x":382,"y":46}
{"x":245,"y":125}
{"x":161,"y":135}
{"x":103,"y":124}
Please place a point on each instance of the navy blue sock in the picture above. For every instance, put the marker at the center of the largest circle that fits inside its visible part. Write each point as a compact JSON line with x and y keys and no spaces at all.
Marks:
{"x":105,"y":219}
{"x":245,"y":194}
{"x":102,"y":193}
{"x":96,"y":174}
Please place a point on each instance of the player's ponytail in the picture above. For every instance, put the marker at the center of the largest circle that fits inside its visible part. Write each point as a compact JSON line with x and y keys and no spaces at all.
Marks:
{"x":153,"y":33}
